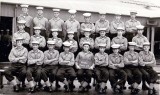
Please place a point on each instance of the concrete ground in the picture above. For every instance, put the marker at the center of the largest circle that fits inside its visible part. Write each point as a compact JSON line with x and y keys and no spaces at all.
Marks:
{"x":7,"y":90}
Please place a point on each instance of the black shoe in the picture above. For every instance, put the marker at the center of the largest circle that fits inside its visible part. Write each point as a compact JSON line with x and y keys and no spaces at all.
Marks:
{"x":134,"y":91}
{"x":144,"y":87}
{"x":31,"y":90}
{"x":104,"y":90}
{"x":16,"y":88}
{"x":66,"y":88}
{"x":50,"y":89}
{"x":150,"y":92}
{"x":81,"y":89}
{"x":100,"y":91}
{"x":130,"y":87}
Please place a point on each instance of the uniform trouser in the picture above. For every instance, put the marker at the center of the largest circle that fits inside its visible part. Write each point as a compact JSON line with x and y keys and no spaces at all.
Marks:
{"x":36,"y":72}
{"x":115,"y":74}
{"x":84,"y":75}
{"x":16,"y":69}
{"x":50,"y":71}
{"x":133,"y":75}
{"x":66,"y":72}
{"x":129,"y":36}
{"x":148,"y":74}
{"x":102,"y":74}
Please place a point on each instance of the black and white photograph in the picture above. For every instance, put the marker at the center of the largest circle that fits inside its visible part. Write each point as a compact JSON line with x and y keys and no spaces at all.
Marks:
{"x":79,"y":47}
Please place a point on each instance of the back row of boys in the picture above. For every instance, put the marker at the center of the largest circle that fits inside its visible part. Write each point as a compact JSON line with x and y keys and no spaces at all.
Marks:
{"x":73,"y":25}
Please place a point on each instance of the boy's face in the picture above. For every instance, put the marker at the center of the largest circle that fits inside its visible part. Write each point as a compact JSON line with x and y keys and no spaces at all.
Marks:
{"x":21,"y":26}
{"x":102,"y":16}
{"x":54,"y":34}
{"x":40,"y":12}
{"x":87,"y":19}
{"x":66,"y":48}
{"x":86,"y":47}
{"x":72,"y":16}
{"x":101,"y":49}
{"x":70,"y":36}
{"x":37,"y":32}
{"x":140,"y":31}
{"x":115,"y":50}
{"x":25,"y":10}
{"x":51,"y":46}
{"x":86,"y":34}
{"x":56,"y":14}
{"x":35,"y":46}
{"x":19,"y":42}
{"x":131,"y":47}
{"x":146,"y":47}
{"x":102,"y":33}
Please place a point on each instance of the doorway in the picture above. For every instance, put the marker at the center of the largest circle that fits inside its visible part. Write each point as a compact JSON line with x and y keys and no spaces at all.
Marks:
{"x":5,"y":37}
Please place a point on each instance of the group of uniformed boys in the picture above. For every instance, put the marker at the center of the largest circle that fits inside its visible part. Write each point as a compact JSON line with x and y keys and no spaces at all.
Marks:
{"x":62,"y":51}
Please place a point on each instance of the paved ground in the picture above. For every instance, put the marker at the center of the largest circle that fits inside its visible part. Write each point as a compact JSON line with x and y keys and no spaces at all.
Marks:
{"x":7,"y":90}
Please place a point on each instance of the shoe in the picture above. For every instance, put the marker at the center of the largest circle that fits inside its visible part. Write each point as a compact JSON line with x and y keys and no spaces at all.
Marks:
{"x":31,"y":90}
{"x":100,"y":91}
{"x":81,"y":89}
{"x":130,"y":87}
{"x":150,"y":92}
{"x":16,"y":88}
{"x":134,"y":91}
{"x":144,"y":87}
{"x":50,"y":89}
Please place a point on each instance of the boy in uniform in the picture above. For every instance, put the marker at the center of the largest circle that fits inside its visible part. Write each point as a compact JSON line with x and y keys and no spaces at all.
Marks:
{"x":116,"y":71}
{"x":35,"y":61}
{"x":139,"y":39}
{"x":50,"y":65}
{"x":18,"y":58}
{"x":122,"y":41}
{"x":85,"y":64}
{"x":66,"y":73}
{"x":147,"y":61}
{"x":101,"y":69}
{"x":102,"y":39}
{"x":88,"y":24}
{"x":39,"y":38}
{"x":134,"y":76}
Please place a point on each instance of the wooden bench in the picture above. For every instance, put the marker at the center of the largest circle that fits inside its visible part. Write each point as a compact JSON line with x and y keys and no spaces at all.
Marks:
{"x":3,"y":67}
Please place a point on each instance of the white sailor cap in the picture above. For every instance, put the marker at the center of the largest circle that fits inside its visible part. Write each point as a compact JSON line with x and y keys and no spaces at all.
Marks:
{"x":39,"y":8}
{"x":50,"y":42}
{"x":56,"y":10}
{"x":86,"y":43}
{"x":54,"y":30}
{"x":133,"y":12}
{"x":87,"y":14}
{"x":102,"y":29}
{"x":132,"y":44}
{"x":67,"y":44}
{"x":87,"y":30}
{"x":140,"y":27}
{"x":21,"y":22}
{"x":146,"y":44}
{"x":37,"y":28}
{"x":35,"y":42}
{"x":102,"y":45}
{"x":24,"y":6}
{"x":19,"y":38}
{"x":72,"y":11}
{"x":120,"y":28}
{"x":70,"y":32}
{"x":115,"y":46}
